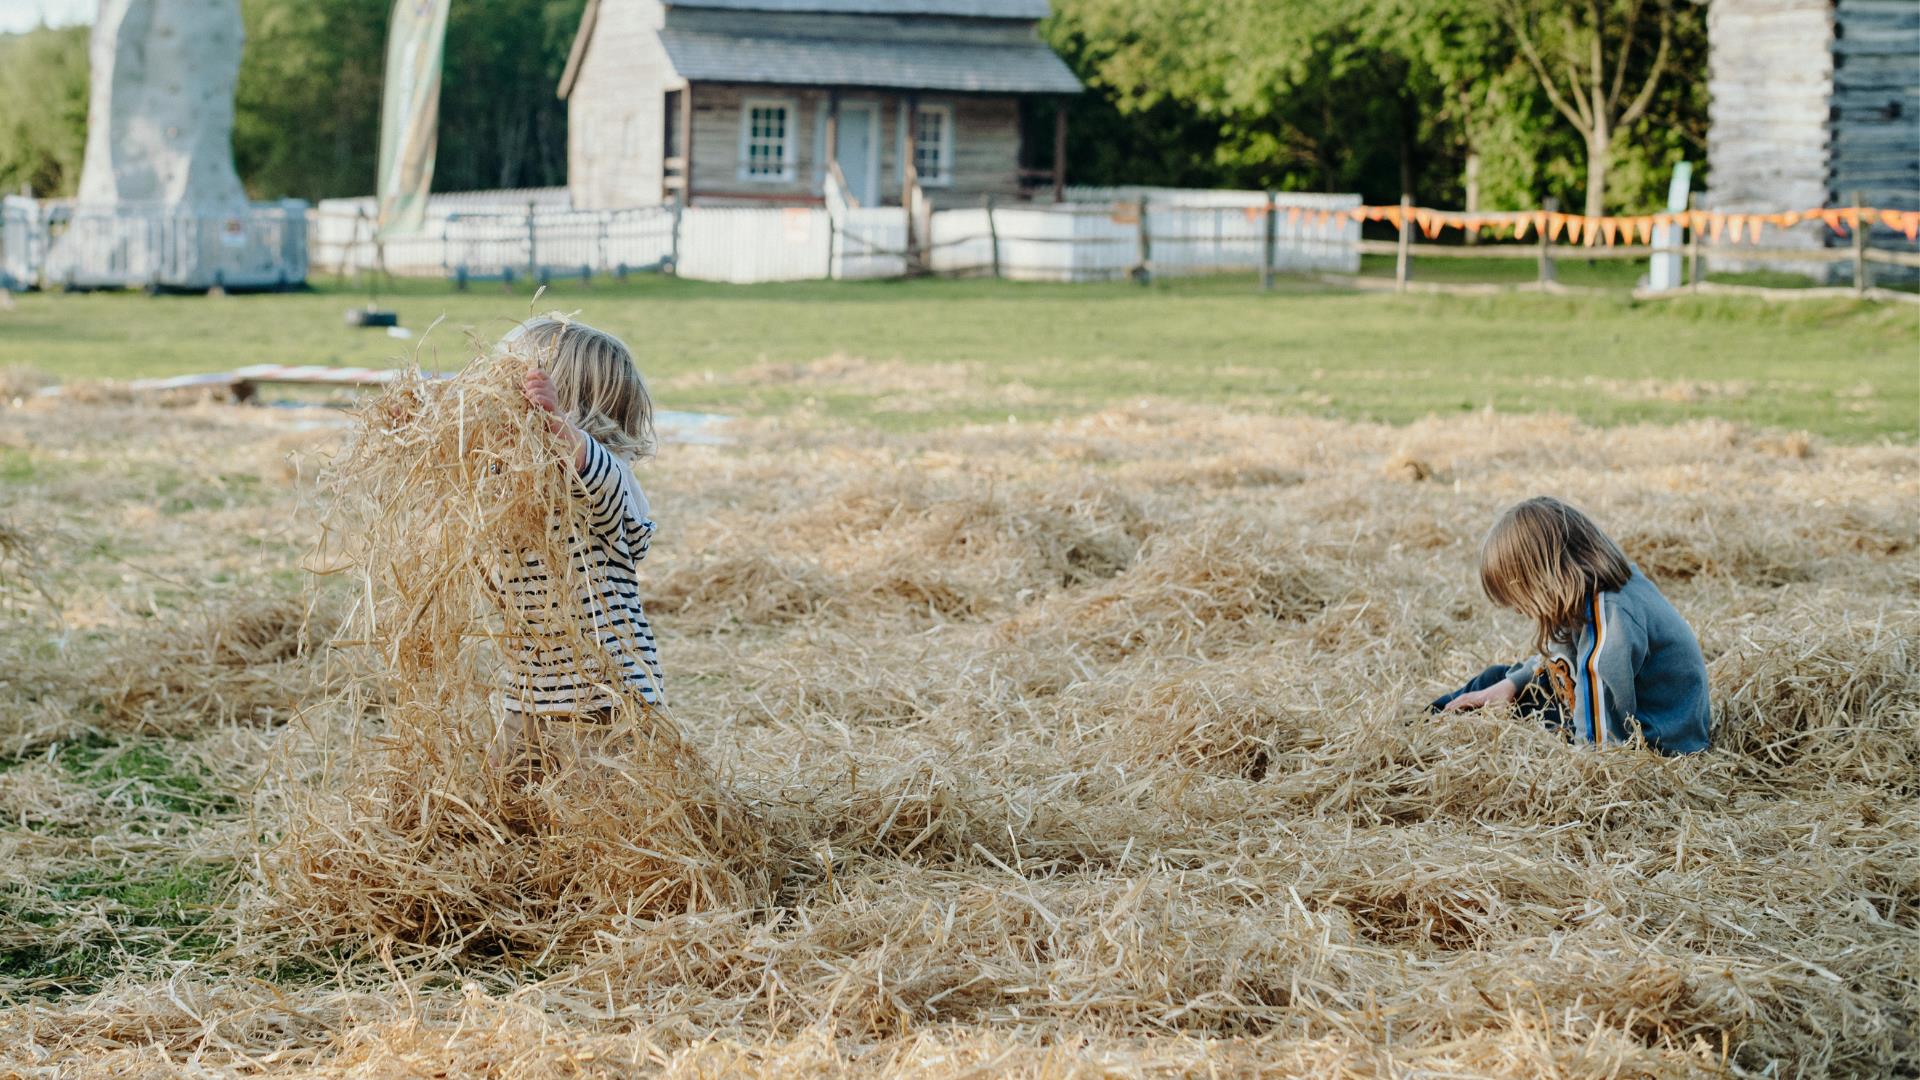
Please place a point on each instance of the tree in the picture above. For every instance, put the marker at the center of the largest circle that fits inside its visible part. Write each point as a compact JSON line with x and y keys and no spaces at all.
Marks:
{"x":43,"y":110}
{"x":1593,"y":45}
{"x":1294,"y":94}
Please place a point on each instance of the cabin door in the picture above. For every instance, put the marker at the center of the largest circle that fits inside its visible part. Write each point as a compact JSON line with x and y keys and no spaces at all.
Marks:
{"x":857,"y":151}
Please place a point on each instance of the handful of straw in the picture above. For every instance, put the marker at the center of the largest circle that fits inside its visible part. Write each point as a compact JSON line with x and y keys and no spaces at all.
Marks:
{"x":453,"y":826}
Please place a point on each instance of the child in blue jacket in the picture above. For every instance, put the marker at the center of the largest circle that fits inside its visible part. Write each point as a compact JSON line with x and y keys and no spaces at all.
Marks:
{"x":1612,"y":655}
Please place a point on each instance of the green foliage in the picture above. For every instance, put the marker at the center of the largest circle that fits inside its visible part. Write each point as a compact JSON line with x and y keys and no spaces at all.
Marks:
{"x":43,"y":110}
{"x":1376,"y":96}
{"x":307,"y":112}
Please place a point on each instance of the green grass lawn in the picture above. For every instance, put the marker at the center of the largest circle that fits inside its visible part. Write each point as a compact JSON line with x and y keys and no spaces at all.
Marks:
{"x":1838,"y":368}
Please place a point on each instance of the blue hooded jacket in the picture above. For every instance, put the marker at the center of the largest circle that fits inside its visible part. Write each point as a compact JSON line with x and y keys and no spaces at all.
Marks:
{"x":1635,"y":666}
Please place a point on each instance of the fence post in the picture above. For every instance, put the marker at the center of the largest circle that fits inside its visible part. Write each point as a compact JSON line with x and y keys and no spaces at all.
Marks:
{"x":605,"y":218}
{"x":1693,"y":255}
{"x":1404,"y":255}
{"x":673,"y":238}
{"x":1266,"y":248}
{"x":833,"y":235}
{"x":1550,"y":205}
{"x":1146,"y":244}
{"x":1860,"y":282}
{"x":533,"y":260}
{"x":993,"y":236}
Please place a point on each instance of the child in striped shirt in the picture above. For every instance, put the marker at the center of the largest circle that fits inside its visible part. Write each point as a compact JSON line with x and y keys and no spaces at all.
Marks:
{"x":586,"y":383}
{"x":1613,"y":656}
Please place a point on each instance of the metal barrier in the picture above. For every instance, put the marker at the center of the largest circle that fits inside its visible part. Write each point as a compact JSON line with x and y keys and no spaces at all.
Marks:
{"x":260,"y":246}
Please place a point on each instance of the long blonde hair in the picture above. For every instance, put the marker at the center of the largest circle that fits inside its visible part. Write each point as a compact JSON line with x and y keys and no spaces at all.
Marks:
{"x":1544,"y":559}
{"x":595,"y":378}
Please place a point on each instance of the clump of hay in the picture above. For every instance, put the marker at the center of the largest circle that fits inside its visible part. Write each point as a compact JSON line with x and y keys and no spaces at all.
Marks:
{"x":1224,"y":719}
{"x":1813,"y":701}
{"x":451,"y":825}
{"x":1221,"y":583}
{"x":1404,"y":466}
{"x":21,"y":568}
{"x":19,"y":382}
{"x":247,"y":660}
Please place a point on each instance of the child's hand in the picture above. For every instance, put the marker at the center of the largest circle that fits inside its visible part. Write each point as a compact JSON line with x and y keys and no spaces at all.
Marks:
{"x":1499,"y":693}
{"x":539,"y":392}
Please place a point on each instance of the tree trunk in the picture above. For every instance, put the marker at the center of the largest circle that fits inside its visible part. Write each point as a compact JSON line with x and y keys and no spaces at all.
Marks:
{"x":1599,"y":155}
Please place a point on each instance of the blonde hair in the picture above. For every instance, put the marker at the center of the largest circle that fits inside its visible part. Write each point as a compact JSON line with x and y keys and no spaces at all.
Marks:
{"x":595,"y":378}
{"x":1543,"y":559}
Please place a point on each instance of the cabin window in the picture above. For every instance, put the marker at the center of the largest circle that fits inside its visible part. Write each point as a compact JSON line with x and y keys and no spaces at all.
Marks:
{"x":933,"y":144}
{"x":766,"y":140}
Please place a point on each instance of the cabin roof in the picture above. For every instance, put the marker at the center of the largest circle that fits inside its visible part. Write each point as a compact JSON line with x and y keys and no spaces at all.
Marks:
{"x":979,"y":9}
{"x":914,"y":65}
{"x":1028,"y":67}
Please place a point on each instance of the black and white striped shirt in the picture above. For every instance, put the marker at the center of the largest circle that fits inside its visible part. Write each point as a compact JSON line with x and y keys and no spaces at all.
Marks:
{"x":544,"y":675}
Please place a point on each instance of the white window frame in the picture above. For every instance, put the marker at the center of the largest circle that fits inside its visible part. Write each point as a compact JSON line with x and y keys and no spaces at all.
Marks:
{"x":789,"y":140}
{"x":944,"y":146}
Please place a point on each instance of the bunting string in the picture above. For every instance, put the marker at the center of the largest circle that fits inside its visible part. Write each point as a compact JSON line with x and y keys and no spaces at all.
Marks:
{"x":1719,"y":227}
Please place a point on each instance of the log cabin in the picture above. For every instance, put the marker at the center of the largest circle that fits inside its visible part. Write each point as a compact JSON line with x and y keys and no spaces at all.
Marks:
{"x":1814,"y":103}
{"x":735,"y":102}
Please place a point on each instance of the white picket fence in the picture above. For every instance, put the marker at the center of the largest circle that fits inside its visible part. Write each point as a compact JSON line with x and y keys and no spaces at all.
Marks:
{"x":1097,"y":234}
{"x":1101,"y":235}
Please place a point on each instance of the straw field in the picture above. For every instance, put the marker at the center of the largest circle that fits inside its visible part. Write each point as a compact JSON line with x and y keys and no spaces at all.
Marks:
{"x":1092,"y":747}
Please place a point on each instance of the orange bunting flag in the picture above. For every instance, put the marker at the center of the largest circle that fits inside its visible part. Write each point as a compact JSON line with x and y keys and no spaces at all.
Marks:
{"x":1736,"y":225}
{"x":1555,"y":223}
{"x":1698,"y":220}
{"x":1644,"y":227}
{"x":1293,"y":214}
{"x":1360,"y":212}
{"x":1911,"y":226}
{"x":1835,"y":220}
{"x":1753,"y":229}
{"x":1613,"y":231}
{"x":1890,"y":218}
{"x":1430,"y":223}
{"x":1520,"y":226}
{"x":1716,"y":224}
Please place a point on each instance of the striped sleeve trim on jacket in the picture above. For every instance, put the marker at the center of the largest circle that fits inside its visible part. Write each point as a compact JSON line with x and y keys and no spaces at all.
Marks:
{"x":1596,"y":688}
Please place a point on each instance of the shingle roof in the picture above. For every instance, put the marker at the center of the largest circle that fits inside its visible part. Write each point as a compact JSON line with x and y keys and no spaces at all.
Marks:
{"x":1025,"y":69}
{"x":979,"y":9}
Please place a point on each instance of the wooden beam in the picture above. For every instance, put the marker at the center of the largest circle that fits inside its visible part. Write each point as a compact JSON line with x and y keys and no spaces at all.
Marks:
{"x":686,"y":145}
{"x":1060,"y":150}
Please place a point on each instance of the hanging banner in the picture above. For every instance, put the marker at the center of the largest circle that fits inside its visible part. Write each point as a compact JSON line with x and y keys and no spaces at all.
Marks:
{"x":410,"y":114}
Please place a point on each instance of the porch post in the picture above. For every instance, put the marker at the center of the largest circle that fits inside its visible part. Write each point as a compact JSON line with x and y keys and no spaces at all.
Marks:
{"x":1060,"y":150}
{"x":909,"y":175}
{"x":686,"y":145}
{"x":833,"y":132}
